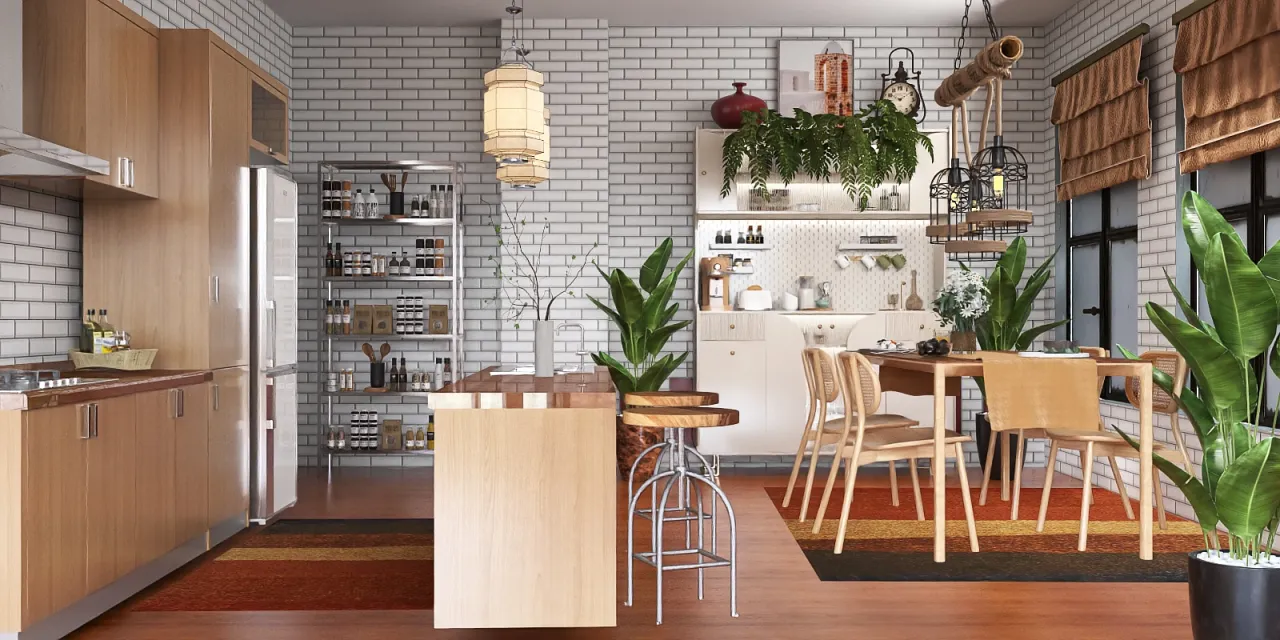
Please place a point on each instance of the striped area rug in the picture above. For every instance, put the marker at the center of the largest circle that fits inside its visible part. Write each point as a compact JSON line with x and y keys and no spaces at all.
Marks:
{"x":887,"y":543}
{"x":307,"y":565}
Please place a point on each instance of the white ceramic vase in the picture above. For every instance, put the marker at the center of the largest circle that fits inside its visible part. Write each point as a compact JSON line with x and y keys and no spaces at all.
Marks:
{"x":544,"y":348}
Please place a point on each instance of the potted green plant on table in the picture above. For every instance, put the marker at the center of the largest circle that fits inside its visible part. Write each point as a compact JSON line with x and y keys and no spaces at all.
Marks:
{"x":1003,"y":326}
{"x":645,"y":317}
{"x":1234,"y":590}
{"x":878,"y":144}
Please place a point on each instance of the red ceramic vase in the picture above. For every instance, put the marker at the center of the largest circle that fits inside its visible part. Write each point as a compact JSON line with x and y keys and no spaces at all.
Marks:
{"x":727,"y":111}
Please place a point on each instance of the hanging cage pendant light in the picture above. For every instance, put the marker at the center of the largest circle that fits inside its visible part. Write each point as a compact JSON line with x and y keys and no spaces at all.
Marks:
{"x":529,"y":175}
{"x":514,"y":124}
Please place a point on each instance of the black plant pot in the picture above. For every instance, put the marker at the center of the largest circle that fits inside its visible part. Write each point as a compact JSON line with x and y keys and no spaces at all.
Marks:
{"x":982,"y":428}
{"x":1233,"y":603}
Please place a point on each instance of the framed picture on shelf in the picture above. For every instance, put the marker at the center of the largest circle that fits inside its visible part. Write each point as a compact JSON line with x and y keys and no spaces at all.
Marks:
{"x":815,"y":75}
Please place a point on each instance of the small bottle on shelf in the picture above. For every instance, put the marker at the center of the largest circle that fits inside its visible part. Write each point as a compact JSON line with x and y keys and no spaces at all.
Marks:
{"x":415,"y":207}
{"x":449,"y":207}
{"x":372,"y":208}
{"x":346,"y":317}
{"x":348,"y":263}
{"x":366,"y":263}
{"x":431,"y":433}
{"x":439,"y":375}
{"x":742,"y":239}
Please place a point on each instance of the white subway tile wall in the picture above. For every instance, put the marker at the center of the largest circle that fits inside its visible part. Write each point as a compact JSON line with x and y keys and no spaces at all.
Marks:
{"x":1087,"y":26}
{"x":248,"y":25}
{"x":391,"y":93}
{"x":625,"y":102}
{"x":39,"y":276}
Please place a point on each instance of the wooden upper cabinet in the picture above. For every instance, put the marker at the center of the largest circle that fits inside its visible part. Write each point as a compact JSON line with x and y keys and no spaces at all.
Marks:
{"x":229,"y":212}
{"x":269,"y":137}
{"x":91,"y":83}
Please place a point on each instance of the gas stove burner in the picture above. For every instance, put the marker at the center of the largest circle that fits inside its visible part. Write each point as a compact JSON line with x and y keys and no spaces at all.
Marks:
{"x":20,"y":380}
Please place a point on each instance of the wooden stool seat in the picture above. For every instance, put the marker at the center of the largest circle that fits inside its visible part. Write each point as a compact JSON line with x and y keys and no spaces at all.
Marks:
{"x":671,"y":399}
{"x":680,"y":417}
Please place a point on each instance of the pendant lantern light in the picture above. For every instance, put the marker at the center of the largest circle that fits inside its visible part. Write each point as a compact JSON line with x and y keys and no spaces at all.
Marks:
{"x":530,"y":174}
{"x":514,"y":124}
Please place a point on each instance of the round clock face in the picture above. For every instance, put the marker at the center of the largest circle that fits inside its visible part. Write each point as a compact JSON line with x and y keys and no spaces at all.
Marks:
{"x":904,"y":97}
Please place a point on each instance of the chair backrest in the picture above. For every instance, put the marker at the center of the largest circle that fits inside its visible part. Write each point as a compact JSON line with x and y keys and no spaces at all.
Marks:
{"x":1097,"y":352}
{"x":1041,"y":393}
{"x":861,"y":384}
{"x":826,"y":387}
{"x":1170,"y":362}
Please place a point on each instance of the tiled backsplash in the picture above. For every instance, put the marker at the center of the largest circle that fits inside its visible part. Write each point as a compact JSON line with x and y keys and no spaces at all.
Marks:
{"x":39,"y":276}
{"x":809,"y":248}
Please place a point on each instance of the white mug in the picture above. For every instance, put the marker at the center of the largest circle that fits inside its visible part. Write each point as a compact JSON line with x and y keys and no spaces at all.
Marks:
{"x":868,"y":262}
{"x":842,"y":261}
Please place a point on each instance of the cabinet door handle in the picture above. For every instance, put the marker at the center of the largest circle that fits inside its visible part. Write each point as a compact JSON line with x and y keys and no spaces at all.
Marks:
{"x":173,"y":404}
{"x":182,"y":403}
{"x":132,"y":174}
{"x":215,"y":289}
{"x":86,"y":422}
{"x":217,"y":397}
{"x":93,"y":420}
{"x":122,"y":171}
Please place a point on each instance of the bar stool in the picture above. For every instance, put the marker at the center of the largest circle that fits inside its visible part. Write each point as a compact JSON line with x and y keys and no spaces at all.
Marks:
{"x":677,"y":419}
{"x":667,"y":448}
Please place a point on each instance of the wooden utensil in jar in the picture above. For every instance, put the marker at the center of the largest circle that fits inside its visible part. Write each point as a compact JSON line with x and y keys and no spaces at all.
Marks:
{"x":383,"y":352}
{"x":368,"y":351}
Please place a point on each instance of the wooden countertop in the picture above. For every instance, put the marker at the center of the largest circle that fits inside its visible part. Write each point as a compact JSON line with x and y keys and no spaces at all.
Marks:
{"x":117,"y":383}
{"x":483,"y":390}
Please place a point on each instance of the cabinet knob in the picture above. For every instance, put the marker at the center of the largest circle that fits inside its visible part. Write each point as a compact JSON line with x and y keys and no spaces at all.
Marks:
{"x":922,"y":327}
{"x":733,"y":326}
{"x":833,"y":326}
{"x":733,"y":353}
{"x":704,"y":173}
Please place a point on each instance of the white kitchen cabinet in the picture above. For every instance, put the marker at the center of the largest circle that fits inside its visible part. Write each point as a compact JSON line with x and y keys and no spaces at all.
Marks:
{"x":737,"y":371}
{"x":708,"y":160}
{"x":910,"y":326}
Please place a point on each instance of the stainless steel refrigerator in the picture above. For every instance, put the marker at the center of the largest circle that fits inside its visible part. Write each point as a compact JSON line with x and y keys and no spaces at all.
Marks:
{"x":274,"y":344}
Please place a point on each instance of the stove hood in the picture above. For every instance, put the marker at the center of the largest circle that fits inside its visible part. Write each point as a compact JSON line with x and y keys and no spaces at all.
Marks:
{"x":22,"y":155}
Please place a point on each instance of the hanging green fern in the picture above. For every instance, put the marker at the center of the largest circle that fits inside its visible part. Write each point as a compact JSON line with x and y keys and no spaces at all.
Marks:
{"x":867,"y":149}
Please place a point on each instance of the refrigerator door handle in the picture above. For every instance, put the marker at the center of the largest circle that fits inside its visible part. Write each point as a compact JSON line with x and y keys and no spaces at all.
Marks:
{"x":280,"y":371}
{"x":271,"y":333}
{"x":271,"y":407}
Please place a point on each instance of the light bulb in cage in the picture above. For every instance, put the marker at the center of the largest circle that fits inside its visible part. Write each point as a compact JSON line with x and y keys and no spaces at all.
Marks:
{"x":1002,"y":193}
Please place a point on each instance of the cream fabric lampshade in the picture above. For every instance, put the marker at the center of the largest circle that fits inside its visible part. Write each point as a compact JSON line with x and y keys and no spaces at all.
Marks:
{"x":530,"y":174}
{"x":514,"y":125}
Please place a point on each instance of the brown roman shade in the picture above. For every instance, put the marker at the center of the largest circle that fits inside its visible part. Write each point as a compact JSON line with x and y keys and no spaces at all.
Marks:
{"x":1229,"y":55}
{"x":1104,"y":125}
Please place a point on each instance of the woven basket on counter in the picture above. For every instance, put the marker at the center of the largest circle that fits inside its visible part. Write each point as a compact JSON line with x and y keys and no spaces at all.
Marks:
{"x":127,"y":360}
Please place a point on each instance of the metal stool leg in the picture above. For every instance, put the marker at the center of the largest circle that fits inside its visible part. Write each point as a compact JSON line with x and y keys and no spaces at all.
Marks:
{"x":733,"y":540}
{"x":631,"y":518}
{"x":658,"y":551}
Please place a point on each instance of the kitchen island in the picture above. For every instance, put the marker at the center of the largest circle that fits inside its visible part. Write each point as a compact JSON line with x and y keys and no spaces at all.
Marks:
{"x":525,"y":501}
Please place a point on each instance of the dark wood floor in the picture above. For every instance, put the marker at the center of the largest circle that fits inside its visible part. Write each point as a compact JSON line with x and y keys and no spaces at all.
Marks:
{"x":779,"y":596}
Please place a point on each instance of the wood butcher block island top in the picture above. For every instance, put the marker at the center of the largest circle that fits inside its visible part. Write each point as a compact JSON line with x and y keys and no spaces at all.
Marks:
{"x":483,"y":390}
{"x":114,"y":384}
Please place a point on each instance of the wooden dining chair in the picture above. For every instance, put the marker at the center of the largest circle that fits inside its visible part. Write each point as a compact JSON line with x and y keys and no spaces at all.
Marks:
{"x":1172,"y":363}
{"x":824,"y":426}
{"x":861,"y":446}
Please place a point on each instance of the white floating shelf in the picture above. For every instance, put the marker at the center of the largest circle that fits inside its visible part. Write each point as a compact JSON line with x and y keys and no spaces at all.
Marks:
{"x":856,"y":246}
{"x":740,"y":247}
{"x":869,"y":214}
{"x":742,"y":271}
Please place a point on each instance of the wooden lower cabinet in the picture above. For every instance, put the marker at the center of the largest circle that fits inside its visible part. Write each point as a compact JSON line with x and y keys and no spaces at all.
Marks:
{"x":191,"y":447}
{"x":229,"y":445}
{"x":53,"y":514}
{"x":156,"y":524}
{"x":111,"y":507}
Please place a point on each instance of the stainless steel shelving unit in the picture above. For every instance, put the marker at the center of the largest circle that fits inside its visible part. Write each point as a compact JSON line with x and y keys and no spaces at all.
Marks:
{"x":437,"y":173}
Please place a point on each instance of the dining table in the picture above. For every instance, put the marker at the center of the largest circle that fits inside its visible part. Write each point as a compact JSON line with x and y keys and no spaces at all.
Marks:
{"x":916,"y":375}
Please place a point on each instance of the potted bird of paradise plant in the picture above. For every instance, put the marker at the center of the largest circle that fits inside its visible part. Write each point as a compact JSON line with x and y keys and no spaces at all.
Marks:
{"x":1234,"y":587}
{"x":645,"y":317}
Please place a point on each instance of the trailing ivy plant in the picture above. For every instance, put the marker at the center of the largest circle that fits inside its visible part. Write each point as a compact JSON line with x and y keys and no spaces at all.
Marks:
{"x":866,"y":149}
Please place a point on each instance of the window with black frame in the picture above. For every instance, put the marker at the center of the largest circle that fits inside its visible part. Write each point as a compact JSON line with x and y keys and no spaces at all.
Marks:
{"x":1247,"y":193}
{"x":1102,"y":272}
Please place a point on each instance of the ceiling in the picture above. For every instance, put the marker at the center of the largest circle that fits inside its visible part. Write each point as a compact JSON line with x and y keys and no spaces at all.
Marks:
{"x":306,"y":13}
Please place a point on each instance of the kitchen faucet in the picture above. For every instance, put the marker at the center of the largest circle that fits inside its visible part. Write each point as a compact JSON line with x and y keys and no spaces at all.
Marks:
{"x":582,"y":352}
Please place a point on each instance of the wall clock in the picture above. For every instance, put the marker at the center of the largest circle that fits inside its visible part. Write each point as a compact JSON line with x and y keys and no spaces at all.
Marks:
{"x":903,"y":90}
